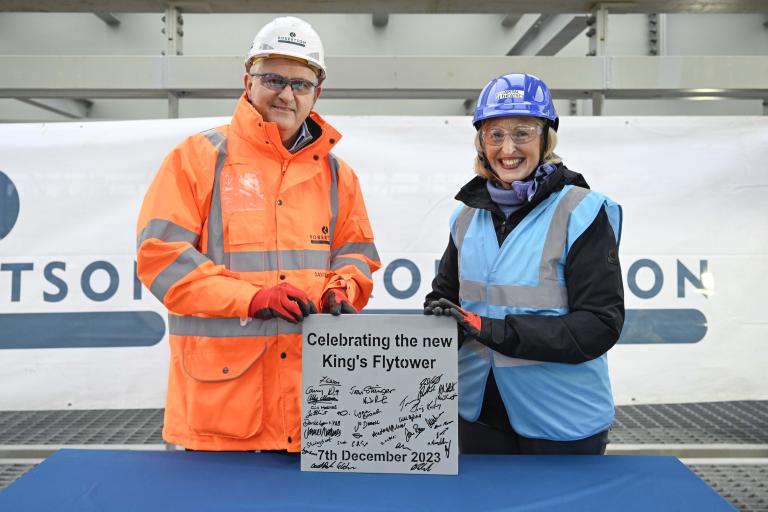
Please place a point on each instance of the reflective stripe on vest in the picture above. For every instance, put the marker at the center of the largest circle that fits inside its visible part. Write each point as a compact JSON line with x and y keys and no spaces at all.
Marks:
{"x":367,"y":249}
{"x":364,"y":248}
{"x":185,"y":263}
{"x":215,"y":249}
{"x":228,"y":327}
{"x":166,"y":231}
{"x":462,"y":224}
{"x":363,"y":267}
{"x":334,"y":164}
{"x":287,"y":259}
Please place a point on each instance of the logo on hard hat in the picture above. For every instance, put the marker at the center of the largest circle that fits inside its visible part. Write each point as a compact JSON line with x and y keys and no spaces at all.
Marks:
{"x":510,"y":93}
{"x":9,"y":205}
{"x":292,"y":39}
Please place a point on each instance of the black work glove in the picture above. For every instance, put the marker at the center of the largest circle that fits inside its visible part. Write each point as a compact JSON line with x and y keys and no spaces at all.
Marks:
{"x":281,"y":301}
{"x":336,"y":302}
{"x":471,"y":325}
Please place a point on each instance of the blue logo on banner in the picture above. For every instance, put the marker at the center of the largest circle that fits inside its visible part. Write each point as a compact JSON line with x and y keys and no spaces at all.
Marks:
{"x":9,"y":205}
{"x":69,"y":330}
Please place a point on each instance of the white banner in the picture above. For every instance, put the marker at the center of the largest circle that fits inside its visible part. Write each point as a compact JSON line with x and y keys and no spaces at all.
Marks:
{"x":78,"y":331}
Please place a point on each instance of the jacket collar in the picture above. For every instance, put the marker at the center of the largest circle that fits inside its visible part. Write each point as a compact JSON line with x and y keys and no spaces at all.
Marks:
{"x":248,"y":125}
{"x":475,"y":193}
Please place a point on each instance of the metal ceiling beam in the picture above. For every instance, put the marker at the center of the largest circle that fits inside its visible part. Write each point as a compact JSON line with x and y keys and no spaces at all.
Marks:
{"x":564,"y":35}
{"x":525,"y":40}
{"x":108,"y":18}
{"x":380,"y":19}
{"x":393,"y":6}
{"x":547,"y":34}
{"x":73,"y":108}
{"x":173,"y":30}
{"x":510,"y":20}
{"x":454,"y":77}
{"x":657,"y":34}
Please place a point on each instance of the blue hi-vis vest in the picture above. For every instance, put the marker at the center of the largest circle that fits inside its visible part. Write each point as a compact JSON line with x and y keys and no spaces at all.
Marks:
{"x":554,"y":401}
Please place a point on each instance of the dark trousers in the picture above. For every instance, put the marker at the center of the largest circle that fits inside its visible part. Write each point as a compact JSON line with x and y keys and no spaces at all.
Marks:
{"x":479,"y":438}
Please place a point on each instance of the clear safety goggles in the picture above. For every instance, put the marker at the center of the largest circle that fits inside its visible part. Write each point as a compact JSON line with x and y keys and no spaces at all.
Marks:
{"x":519,"y":134}
{"x":278,"y":82}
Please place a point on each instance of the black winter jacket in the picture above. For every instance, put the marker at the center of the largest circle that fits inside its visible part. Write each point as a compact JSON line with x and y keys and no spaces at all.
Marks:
{"x":593,"y":281}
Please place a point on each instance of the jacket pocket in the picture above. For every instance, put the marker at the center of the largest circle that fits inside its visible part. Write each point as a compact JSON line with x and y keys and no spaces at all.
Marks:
{"x":247,"y":228}
{"x":225,"y":388}
{"x":365,"y":227}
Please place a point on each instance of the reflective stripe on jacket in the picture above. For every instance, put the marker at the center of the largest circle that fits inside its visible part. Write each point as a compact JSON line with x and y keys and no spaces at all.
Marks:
{"x":231,"y":212}
{"x":525,"y":276}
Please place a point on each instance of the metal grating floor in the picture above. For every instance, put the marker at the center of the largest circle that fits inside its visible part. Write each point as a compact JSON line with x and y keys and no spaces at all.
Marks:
{"x":10,"y":472}
{"x":745,"y":486}
{"x":119,"y":426}
{"x":744,"y":422}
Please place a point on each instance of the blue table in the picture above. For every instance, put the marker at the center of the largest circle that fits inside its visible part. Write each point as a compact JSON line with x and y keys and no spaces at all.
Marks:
{"x":85,"y":480}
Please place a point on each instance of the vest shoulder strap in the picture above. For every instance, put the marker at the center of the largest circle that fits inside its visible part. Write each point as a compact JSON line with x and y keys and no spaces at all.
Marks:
{"x":461,"y":223}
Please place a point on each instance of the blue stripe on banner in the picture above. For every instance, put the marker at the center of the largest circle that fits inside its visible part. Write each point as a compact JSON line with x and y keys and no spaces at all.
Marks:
{"x":641,"y":326}
{"x":147,"y":328}
{"x":81,"y":330}
{"x":663,"y":326}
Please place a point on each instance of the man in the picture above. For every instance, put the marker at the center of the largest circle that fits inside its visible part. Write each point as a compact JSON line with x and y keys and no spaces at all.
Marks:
{"x":245,"y":230}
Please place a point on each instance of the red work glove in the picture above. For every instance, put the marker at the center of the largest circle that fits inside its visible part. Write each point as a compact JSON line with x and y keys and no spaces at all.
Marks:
{"x":470,"y":322}
{"x":281,"y":301}
{"x":336,"y":302}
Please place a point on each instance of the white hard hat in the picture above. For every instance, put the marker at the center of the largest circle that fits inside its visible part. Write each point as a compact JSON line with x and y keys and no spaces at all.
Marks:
{"x":290,"y":37}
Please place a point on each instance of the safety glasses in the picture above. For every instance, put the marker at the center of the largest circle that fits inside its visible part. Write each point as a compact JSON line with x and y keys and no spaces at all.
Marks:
{"x":277,"y":82}
{"x":520,"y":134}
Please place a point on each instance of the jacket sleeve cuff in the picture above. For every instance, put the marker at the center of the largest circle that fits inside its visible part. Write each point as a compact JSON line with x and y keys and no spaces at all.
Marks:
{"x":486,"y":329}
{"x":244,"y":301}
{"x":495,"y":335}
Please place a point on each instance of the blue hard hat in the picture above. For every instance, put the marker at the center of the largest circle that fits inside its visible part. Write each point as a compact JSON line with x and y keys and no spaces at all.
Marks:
{"x":516,"y":94}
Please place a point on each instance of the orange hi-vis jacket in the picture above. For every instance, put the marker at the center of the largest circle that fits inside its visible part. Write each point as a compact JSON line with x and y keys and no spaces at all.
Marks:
{"x":231,"y":212}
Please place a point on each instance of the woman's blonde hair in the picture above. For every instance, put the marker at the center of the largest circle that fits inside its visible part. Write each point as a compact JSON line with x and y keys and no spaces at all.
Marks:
{"x":550,"y":157}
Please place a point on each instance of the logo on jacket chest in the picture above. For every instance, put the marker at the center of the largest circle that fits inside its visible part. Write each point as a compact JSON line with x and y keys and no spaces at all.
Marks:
{"x":321,"y":238}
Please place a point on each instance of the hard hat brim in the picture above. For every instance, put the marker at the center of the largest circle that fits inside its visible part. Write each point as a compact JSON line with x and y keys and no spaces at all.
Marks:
{"x":314,"y":65}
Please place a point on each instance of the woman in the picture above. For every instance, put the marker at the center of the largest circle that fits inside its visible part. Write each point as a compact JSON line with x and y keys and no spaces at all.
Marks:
{"x":532,"y":260}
